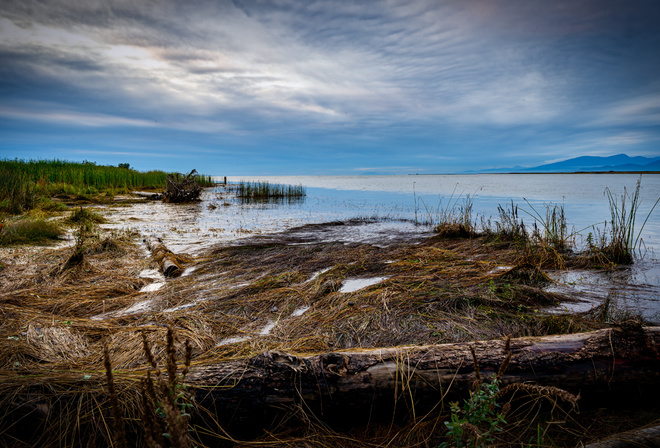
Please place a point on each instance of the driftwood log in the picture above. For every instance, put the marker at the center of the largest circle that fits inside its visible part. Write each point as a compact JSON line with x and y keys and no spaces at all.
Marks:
{"x":167,"y":261}
{"x":182,"y":189}
{"x":148,"y":195}
{"x":637,"y":438}
{"x":354,"y":387}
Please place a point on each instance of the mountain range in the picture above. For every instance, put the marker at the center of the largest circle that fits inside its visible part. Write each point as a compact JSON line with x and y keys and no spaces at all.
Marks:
{"x":617,"y":163}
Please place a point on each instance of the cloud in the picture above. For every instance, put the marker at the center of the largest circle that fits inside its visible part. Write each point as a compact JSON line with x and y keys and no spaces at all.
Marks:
{"x":420,"y":75}
{"x":638,"y":111}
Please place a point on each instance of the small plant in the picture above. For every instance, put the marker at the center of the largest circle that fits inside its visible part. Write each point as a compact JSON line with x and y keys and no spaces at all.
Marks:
{"x":78,"y":254}
{"x":475,"y":423}
{"x":166,"y":401}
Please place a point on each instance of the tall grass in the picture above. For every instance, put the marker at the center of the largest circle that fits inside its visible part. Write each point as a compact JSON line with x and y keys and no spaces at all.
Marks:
{"x":623,"y":239}
{"x":17,"y":192}
{"x":456,"y":220}
{"x":554,"y":230}
{"x":267,"y":191}
{"x":83,"y":175}
{"x":22,"y":182}
{"x":548,"y":240}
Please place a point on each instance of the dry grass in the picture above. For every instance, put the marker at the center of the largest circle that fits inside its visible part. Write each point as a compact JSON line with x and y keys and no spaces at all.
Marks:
{"x":55,"y":324}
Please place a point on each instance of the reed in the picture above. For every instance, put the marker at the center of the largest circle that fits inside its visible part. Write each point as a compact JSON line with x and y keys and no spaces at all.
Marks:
{"x":16,"y":191}
{"x":267,"y":191}
{"x":624,"y":239}
{"x":23,"y":183}
{"x":553,"y":230}
{"x":453,"y":220}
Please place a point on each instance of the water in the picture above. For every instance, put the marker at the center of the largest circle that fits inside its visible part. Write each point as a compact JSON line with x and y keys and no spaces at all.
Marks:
{"x":402,"y":201}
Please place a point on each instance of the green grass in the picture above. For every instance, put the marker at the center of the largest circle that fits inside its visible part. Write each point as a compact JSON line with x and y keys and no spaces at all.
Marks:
{"x":23,"y":184}
{"x":84,"y":217}
{"x":29,"y":231}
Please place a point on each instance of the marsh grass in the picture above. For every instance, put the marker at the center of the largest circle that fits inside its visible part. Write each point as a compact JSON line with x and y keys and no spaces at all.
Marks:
{"x":17,"y":193}
{"x":624,"y":238}
{"x":24,"y":184}
{"x":266,"y":191}
{"x":29,"y":231}
{"x":84,"y":216}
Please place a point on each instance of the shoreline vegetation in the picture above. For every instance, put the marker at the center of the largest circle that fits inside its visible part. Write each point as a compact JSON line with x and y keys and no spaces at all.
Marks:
{"x":32,"y":192}
{"x":45,"y":184}
{"x":266,"y":191}
{"x":94,"y":354}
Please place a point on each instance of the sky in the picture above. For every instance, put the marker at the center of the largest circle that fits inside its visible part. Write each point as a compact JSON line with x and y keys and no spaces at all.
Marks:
{"x":257,"y":87}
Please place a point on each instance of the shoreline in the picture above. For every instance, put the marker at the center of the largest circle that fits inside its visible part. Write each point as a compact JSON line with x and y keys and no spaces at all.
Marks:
{"x":300,"y":291}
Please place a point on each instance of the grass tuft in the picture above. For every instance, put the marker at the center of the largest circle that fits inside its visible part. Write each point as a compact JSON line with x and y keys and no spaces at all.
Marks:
{"x":29,"y":231}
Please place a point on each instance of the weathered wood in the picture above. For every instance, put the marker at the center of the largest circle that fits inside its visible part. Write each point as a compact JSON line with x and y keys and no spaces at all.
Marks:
{"x":353,"y":386}
{"x":148,"y":195}
{"x":637,"y":438}
{"x":165,"y":258}
{"x":182,"y":188}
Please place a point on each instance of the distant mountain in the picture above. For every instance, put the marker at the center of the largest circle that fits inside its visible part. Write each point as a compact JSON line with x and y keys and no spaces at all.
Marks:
{"x":619,"y":162}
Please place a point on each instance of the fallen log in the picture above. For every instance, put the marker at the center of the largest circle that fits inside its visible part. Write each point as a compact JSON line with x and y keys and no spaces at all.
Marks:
{"x":353,"y":387}
{"x":167,"y":261}
{"x":637,"y":438}
{"x":148,"y":195}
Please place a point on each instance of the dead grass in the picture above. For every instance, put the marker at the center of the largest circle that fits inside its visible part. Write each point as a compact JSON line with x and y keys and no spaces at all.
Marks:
{"x":54,"y":324}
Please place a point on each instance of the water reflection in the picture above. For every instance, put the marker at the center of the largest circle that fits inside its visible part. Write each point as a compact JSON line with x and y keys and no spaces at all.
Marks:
{"x":632,"y":291}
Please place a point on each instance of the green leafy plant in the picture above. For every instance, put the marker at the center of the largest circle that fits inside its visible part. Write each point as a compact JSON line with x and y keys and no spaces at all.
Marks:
{"x":475,"y":423}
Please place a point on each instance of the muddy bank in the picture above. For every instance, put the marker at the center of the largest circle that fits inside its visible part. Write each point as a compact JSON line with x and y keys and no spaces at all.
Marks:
{"x":311,"y":290}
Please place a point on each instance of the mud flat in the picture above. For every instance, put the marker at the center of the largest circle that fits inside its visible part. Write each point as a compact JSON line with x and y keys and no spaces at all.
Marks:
{"x":285,"y":295}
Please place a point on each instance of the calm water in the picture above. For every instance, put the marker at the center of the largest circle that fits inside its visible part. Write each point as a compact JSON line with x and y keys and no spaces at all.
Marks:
{"x":410,"y":197}
{"x":222,"y":219}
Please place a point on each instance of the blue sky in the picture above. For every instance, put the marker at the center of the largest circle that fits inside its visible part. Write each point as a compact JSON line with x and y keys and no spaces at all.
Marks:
{"x":328,"y":87}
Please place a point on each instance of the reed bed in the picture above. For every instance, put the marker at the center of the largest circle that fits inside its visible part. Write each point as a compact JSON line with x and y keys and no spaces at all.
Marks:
{"x":23,"y":184}
{"x":256,"y":191}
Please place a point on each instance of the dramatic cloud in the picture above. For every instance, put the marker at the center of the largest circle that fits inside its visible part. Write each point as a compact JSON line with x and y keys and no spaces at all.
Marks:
{"x":284,"y":86}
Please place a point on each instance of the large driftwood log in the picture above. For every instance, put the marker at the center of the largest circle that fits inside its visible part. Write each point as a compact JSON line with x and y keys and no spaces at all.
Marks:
{"x":148,"y":195}
{"x":637,"y":438}
{"x":165,"y":258}
{"x":355,"y":386}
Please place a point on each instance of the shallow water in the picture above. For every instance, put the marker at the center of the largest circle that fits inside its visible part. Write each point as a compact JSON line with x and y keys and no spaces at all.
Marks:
{"x":356,"y":284}
{"x":399,"y":202}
